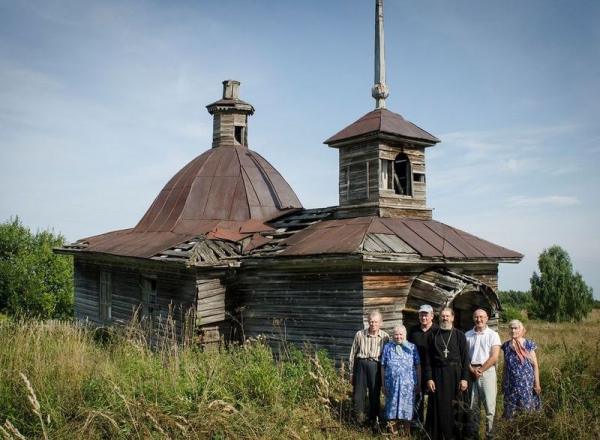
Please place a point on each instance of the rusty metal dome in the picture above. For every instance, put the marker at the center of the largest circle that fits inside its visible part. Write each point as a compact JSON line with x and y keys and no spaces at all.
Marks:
{"x":230,"y":183}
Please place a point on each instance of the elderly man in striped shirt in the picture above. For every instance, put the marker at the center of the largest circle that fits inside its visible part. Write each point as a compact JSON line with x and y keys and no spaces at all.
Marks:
{"x":365,"y":376}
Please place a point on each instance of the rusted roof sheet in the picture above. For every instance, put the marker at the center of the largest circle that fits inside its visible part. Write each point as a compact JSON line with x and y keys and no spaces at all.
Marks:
{"x":428,"y":238}
{"x":257,"y":241}
{"x":225,"y":183}
{"x":326,"y":238}
{"x":382,"y":121}
{"x":131,"y":244}
{"x":220,"y":233}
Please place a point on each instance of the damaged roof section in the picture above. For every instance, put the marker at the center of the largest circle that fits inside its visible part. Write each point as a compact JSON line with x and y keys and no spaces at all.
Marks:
{"x":304,"y":232}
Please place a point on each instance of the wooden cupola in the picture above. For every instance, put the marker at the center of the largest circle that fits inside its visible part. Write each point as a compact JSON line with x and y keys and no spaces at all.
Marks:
{"x":382,"y":155}
{"x":230,"y":117}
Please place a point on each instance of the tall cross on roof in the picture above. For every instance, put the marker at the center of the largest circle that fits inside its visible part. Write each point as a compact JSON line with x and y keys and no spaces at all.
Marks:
{"x":380,"y":90}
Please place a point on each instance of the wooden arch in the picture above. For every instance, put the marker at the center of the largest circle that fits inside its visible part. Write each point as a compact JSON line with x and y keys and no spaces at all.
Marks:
{"x":441,"y":287}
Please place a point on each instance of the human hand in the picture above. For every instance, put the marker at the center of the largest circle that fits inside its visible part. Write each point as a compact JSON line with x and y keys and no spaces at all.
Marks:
{"x":475,"y":372}
{"x":463,"y":385}
{"x":431,"y":386}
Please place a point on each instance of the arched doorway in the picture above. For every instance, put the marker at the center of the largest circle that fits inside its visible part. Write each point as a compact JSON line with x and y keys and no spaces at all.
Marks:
{"x":440,"y":287}
{"x":466,"y":302}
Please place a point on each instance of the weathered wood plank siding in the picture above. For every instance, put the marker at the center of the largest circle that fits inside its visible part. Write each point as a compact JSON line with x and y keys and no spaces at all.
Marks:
{"x":326,"y":306}
{"x":319,"y":306}
{"x":359,"y":173}
{"x":217,"y":302}
{"x":175,"y":293}
{"x":86,"y":280}
{"x":388,"y":294}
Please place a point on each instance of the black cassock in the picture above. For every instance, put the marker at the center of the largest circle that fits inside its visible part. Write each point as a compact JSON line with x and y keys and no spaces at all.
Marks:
{"x":447,"y":363}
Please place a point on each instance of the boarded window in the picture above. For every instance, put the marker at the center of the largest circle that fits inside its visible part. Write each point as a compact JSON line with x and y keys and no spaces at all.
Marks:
{"x":105,"y":296}
{"x":149,"y":305}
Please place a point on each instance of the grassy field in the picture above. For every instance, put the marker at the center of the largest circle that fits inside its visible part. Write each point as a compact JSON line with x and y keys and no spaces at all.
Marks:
{"x":63,"y":381}
{"x":569,"y":358}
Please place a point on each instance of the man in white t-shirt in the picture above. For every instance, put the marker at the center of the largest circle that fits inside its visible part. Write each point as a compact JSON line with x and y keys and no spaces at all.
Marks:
{"x":484,"y":349}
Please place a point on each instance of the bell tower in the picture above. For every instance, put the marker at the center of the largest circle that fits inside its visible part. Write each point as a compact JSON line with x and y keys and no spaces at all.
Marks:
{"x":382,"y":155}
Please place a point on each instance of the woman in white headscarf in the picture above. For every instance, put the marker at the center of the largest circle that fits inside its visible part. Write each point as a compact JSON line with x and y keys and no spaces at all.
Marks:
{"x":401,"y":379}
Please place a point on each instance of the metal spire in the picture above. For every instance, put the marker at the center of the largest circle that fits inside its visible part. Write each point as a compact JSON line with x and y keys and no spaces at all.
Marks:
{"x":380,"y":90}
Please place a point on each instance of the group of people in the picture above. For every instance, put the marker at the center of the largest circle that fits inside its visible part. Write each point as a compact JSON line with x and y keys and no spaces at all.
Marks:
{"x":451,"y":372}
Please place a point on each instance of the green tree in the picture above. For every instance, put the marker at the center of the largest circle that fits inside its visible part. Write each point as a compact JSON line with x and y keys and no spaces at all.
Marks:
{"x":516,"y":305}
{"x":34,"y":282}
{"x":516,"y":299}
{"x":559,"y":294}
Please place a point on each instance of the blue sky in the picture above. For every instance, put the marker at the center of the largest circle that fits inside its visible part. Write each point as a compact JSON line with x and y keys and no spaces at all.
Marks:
{"x":101,"y":102}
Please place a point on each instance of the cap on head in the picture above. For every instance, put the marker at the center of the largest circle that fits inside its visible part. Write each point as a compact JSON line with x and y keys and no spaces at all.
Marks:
{"x":425,"y":308}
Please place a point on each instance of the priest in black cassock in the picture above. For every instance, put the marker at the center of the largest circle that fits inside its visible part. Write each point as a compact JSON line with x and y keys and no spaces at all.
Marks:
{"x":446,"y":368}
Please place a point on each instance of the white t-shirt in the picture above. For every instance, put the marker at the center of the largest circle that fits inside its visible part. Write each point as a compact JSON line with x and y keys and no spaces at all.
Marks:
{"x":480,"y":344}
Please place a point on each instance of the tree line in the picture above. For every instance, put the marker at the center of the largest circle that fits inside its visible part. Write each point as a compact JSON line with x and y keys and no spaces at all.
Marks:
{"x":558,"y":294}
{"x":34,"y":281}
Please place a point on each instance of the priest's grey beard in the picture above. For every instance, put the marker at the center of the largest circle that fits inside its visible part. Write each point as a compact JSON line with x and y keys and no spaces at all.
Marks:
{"x":446,"y":326}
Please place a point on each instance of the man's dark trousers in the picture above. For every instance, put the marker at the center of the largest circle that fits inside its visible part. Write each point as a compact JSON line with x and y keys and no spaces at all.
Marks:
{"x":367,"y":377}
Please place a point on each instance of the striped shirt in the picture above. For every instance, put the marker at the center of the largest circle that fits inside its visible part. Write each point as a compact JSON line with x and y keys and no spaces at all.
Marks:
{"x":366,"y":346}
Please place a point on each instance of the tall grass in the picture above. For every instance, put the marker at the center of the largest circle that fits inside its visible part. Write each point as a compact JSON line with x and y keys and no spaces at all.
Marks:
{"x":569,"y":359}
{"x":63,"y":380}
{"x":60,"y":381}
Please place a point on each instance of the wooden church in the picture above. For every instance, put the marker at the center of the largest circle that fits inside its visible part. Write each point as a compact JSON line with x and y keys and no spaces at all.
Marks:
{"x":226,"y":249}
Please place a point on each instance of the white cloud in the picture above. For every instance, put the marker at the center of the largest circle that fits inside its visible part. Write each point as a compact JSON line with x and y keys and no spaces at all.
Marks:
{"x":537,"y":202}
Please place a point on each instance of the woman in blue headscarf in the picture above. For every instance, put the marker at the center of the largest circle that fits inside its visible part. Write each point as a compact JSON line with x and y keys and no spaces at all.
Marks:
{"x":401,"y":379}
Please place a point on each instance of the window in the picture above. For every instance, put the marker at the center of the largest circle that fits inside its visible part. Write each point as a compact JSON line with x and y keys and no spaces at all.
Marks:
{"x":105,"y":296}
{"x":419,"y":177}
{"x":239,"y":134}
{"x":149,"y":305}
{"x":403,"y":175}
{"x":396,"y":175}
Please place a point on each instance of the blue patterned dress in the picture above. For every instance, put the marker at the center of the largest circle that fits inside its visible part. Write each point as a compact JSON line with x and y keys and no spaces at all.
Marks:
{"x":518,"y":381}
{"x":400,"y":379}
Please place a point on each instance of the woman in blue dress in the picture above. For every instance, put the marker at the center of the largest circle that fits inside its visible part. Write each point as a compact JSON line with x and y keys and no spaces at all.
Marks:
{"x":521,"y":378}
{"x":401,"y":379}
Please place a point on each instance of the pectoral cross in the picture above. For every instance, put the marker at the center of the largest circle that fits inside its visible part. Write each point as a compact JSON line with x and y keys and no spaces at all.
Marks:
{"x":446,"y":353}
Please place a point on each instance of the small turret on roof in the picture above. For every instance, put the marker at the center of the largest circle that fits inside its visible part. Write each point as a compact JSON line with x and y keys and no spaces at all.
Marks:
{"x":230,"y":116}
